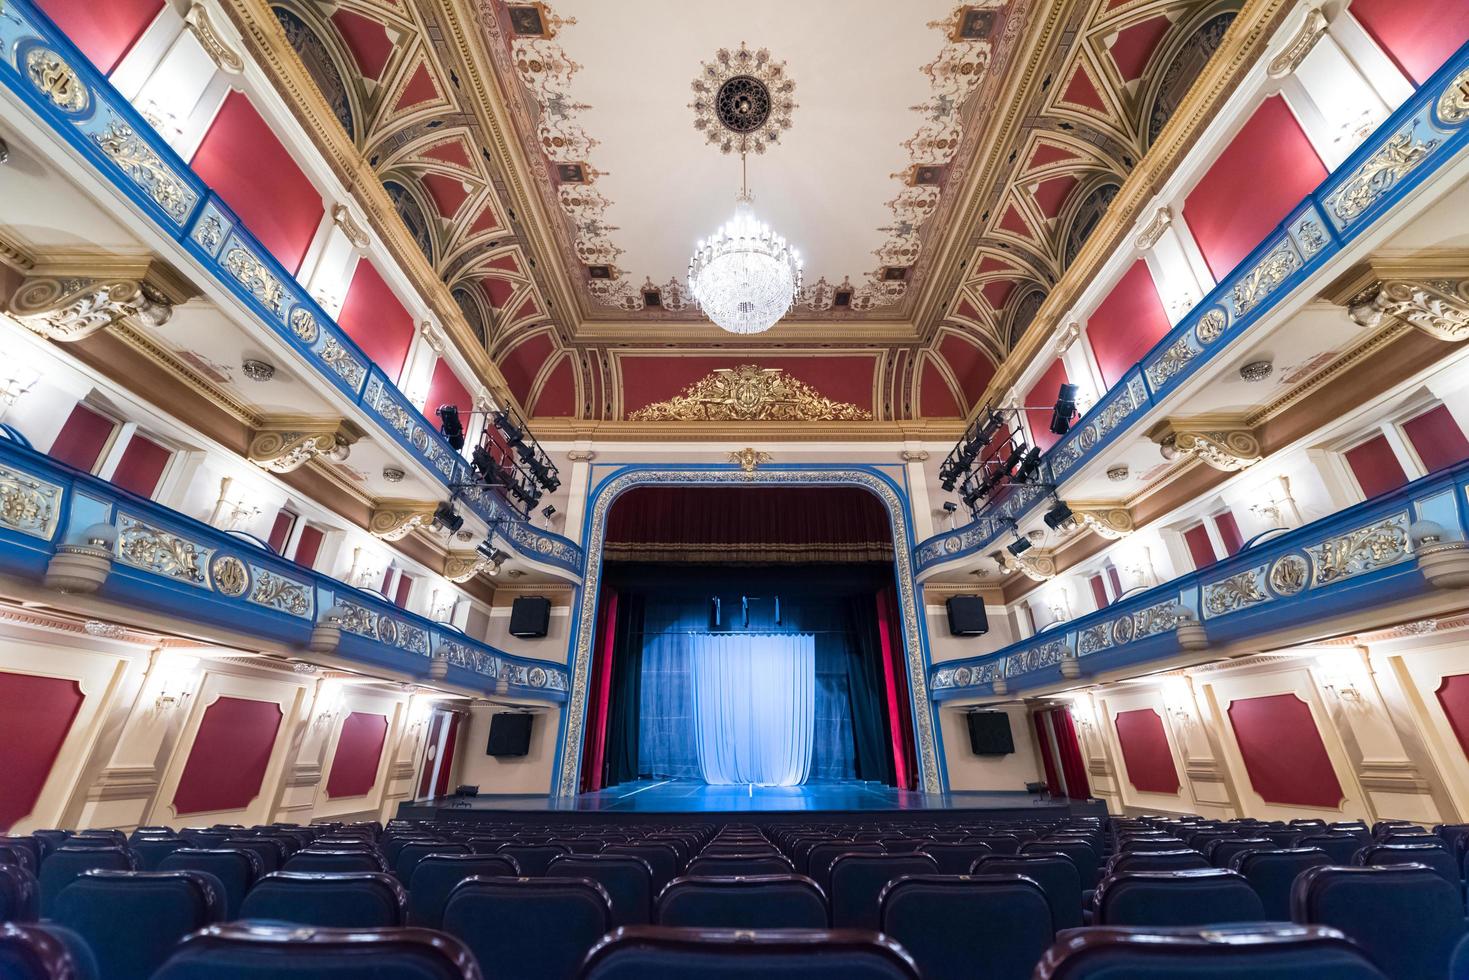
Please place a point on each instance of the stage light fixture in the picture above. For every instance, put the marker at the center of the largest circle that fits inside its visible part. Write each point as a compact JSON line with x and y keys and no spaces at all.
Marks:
{"x":991,"y":426}
{"x":1058,"y":515}
{"x":1018,"y":547}
{"x":1013,"y":460}
{"x":446,"y":518}
{"x":512,"y":432}
{"x":451,"y":427}
{"x":1065,"y":408}
{"x":483,"y":463}
{"x":950,"y":506}
{"x":1030,"y":465}
{"x":549,"y":511}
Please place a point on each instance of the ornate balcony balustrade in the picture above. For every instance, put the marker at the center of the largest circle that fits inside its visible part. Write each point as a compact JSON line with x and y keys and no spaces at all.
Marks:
{"x":75,"y":532}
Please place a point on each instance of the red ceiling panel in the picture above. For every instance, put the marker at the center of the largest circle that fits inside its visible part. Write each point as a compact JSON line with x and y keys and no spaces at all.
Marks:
{"x":448,"y":193}
{"x":935,"y":397}
{"x":367,"y":40}
{"x":971,"y":366}
{"x":1136,"y":44}
{"x":1283,"y":751}
{"x":523,"y":362}
{"x":1127,"y":323}
{"x":1232,"y":209}
{"x":558,"y":393}
{"x":36,"y":713}
{"x":843,"y":378}
{"x":246,"y":165}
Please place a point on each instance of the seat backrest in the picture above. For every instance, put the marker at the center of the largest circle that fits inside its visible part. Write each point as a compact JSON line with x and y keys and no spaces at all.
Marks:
{"x":204,"y":837}
{"x":1195,"y":897}
{"x":950,"y":923}
{"x":1141,"y":844}
{"x":32,"y":847}
{"x":30,"y":951}
{"x":661,"y":857}
{"x":857,"y":879}
{"x":332,"y":899}
{"x":312,"y":859}
{"x":819,"y":857}
{"x":20,"y":894}
{"x":1056,"y":875}
{"x":1340,"y":847}
{"x":726,"y":867}
{"x":131,"y":920}
{"x":1278,"y":951}
{"x":955,"y":858}
{"x":544,"y":926}
{"x":1179,"y":860}
{"x":627,"y":879}
{"x":664,"y":953}
{"x":1435,"y":856}
{"x":272,"y":853}
{"x":756,"y":902}
{"x":246,"y":949}
{"x":410,"y":854}
{"x":1272,"y":872}
{"x":533,"y":859}
{"x":1082,"y":853}
{"x":237,"y":870}
{"x":151,"y":850}
{"x":438,"y":874}
{"x":1408,"y":919}
{"x":1221,"y":850}
{"x":65,"y":864}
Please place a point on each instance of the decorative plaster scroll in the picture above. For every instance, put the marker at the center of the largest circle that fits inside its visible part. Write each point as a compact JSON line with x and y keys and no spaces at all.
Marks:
{"x":279,"y":592}
{"x":158,"y":551}
{"x":1365,"y":549}
{"x":1311,"y":31}
{"x":1437,"y":306}
{"x":1224,"y":444}
{"x":460,"y":567}
{"x":283,"y":444}
{"x":72,"y":308}
{"x":1037,"y":565}
{"x":1154,"y":229}
{"x":225,"y":57}
{"x":1398,"y":157}
{"x":393,"y":520}
{"x":749,"y":393}
{"x":355,"y":233}
{"x":1112,"y":522}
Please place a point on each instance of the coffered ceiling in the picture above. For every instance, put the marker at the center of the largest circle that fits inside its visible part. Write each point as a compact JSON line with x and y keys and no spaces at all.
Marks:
{"x":943,"y":166}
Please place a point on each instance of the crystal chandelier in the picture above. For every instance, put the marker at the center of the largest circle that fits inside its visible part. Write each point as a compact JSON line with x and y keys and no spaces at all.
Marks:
{"x":745,"y":276}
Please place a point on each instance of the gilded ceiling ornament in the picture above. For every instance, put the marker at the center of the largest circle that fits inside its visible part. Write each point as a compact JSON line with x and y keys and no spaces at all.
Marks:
{"x":742,"y":100}
{"x":749,"y":458}
{"x":750,"y":393}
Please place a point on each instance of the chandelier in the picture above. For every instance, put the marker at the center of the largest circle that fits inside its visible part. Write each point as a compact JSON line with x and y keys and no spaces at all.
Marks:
{"x":745,"y":276}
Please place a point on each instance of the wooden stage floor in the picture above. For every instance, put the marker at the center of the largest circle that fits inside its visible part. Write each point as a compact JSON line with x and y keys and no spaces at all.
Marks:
{"x":666,"y":798}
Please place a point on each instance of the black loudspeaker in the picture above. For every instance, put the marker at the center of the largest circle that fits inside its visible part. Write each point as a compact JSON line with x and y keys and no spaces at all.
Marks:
{"x":530,"y":616}
{"x":966,"y":616}
{"x":509,"y":733}
{"x":989,"y":733}
{"x":466,"y":789}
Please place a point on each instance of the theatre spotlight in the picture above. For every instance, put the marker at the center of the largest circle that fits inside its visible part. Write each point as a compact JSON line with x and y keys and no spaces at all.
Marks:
{"x":950,"y":507}
{"x":446,"y":518}
{"x":1013,"y":460}
{"x":1058,"y":515}
{"x":1029,"y":466}
{"x":549,"y":511}
{"x":991,"y":426}
{"x":508,"y":428}
{"x":1064,"y":410}
{"x":1019,"y":546}
{"x":451,"y":427}
{"x":483,"y":463}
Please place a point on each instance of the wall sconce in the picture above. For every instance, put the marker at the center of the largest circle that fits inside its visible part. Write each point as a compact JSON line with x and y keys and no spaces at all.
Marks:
{"x":11,"y":391}
{"x":1338,"y":679}
{"x":328,"y":704}
{"x":1178,"y":699}
{"x":175,"y":680}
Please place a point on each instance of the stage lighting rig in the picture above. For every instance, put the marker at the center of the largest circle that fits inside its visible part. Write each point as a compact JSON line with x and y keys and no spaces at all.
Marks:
{"x":1021,"y":544}
{"x":446,"y":518}
{"x":1058,"y":516}
{"x":1064,"y":410}
{"x":1030,"y":465}
{"x":451,"y":426}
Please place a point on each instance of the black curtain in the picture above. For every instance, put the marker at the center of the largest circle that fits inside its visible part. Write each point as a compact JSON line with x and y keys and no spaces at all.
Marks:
{"x":874,"y":751}
{"x":621,"y":761}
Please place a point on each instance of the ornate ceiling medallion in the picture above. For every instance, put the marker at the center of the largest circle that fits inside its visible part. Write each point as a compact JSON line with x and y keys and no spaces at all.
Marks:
{"x":743,"y":100}
{"x":750,"y":393}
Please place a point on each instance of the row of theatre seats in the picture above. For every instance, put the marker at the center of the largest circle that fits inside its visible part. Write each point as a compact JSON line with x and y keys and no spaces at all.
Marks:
{"x":1152,"y":897}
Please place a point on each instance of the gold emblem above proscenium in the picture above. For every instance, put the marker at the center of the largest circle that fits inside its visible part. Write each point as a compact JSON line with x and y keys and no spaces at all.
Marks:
{"x":750,"y":393}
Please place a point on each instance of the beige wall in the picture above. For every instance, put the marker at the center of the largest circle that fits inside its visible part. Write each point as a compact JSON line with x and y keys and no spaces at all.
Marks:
{"x":968,"y":771}
{"x":530,"y":773}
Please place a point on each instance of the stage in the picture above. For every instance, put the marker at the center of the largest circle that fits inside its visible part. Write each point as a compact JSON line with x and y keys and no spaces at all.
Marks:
{"x":662,"y":799}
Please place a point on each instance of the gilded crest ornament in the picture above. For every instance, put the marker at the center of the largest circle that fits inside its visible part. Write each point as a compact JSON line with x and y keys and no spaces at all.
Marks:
{"x":749,"y":393}
{"x":57,"y":80}
{"x":1289,"y":574}
{"x":749,"y":458}
{"x":1453,"y":105}
{"x":230,"y":576}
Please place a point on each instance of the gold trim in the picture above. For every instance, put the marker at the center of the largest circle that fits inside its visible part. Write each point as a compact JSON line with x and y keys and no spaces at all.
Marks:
{"x":750,"y":393}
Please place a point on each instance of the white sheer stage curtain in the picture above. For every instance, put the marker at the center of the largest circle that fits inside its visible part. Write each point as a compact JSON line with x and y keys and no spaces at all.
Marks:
{"x":754,"y":707}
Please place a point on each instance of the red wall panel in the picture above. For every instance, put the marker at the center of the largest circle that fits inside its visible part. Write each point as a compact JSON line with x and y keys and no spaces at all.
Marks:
{"x":1145,"y":751}
{"x":104,"y":29}
{"x":1453,"y":697}
{"x":1099,"y":591}
{"x":1044,"y":393}
{"x":446,"y":769}
{"x":359,"y":748}
{"x":241,"y":159}
{"x":82,"y":439}
{"x":36,"y":714}
{"x":1283,"y":751}
{"x":1376,"y":466}
{"x":372,"y":316}
{"x":1235,"y":205}
{"x":1437,"y":439}
{"x":1419,"y":35}
{"x":445,"y":388}
{"x":1127,"y":323}
{"x":227,"y":762}
{"x":141,"y":466}
{"x":280,"y":530}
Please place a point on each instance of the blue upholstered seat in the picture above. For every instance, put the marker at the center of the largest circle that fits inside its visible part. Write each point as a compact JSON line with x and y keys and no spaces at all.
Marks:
{"x":858,"y":879}
{"x":312,"y":859}
{"x":955,"y":858}
{"x":1056,"y":875}
{"x":44,"y":952}
{"x":204,"y":837}
{"x":1340,"y":847}
{"x":661,"y":857}
{"x":1140,"y":844}
{"x":333,"y":899}
{"x":1272,"y":873}
{"x":754,"y":902}
{"x":1221,"y":850}
{"x":543,"y":925}
{"x":236,"y":870}
{"x":952,"y":923}
{"x":152,"y":850}
{"x":1196,"y":897}
{"x":1176,"y":860}
{"x":662,"y":953}
{"x":50,"y":839}
{"x":533,"y":859}
{"x":1085,"y":855}
{"x":132,"y":920}
{"x":260,"y":951}
{"x":65,"y":864}
{"x":20,"y":894}
{"x":627,"y":879}
{"x":1408,"y":919}
{"x":820,"y":856}
{"x":272,"y":853}
{"x":414,"y":851}
{"x":1259,"y":951}
{"x":438,"y":874}
{"x":31,"y":846}
{"x":731,"y":866}
{"x":1434,"y":855}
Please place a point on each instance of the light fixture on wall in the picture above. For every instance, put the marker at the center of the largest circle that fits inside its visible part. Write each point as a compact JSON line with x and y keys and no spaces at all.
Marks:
{"x":1337,"y":676}
{"x":1178,"y":698}
{"x":174,"y":679}
{"x":328,"y":704}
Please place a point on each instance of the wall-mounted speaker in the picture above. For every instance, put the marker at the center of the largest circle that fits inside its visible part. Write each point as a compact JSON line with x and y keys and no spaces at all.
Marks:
{"x":966,"y":616}
{"x":509,"y":733}
{"x":989,"y":733}
{"x":530,"y":616}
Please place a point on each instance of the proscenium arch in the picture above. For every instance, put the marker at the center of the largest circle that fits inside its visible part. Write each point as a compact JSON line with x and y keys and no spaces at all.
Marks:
{"x":926,"y":736}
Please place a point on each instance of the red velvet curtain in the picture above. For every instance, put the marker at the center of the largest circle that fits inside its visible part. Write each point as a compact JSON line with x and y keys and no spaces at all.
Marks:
{"x":895,"y":687}
{"x":749,"y":524}
{"x":1043,"y":746}
{"x":595,"y":746}
{"x":1068,"y":747}
{"x":446,"y":768}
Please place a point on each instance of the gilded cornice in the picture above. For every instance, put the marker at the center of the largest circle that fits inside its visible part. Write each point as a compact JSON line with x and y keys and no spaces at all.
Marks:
{"x":551,"y":430}
{"x":1244,"y":44}
{"x":186,"y":374}
{"x":267,"y":45}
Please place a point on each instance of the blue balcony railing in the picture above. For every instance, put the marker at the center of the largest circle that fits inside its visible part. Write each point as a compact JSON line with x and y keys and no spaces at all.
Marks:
{"x":45,"y":71}
{"x":1424,"y":135}
{"x":167,"y":562}
{"x":1356,"y":559}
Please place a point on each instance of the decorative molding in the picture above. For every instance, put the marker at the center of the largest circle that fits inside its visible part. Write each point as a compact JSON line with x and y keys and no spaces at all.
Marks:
{"x":749,"y":459}
{"x":1110,"y":521}
{"x":461,"y":566}
{"x":356,"y":234}
{"x":750,"y":393}
{"x":71,"y":305}
{"x":1226,"y":444}
{"x":285,"y":443}
{"x":393,"y":520}
{"x":1312,"y":29}
{"x":1035,"y":564}
{"x":1149,"y":235}
{"x":225,"y":57}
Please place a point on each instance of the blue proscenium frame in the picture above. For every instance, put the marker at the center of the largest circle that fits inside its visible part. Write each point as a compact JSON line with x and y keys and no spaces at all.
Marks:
{"x":1424,"y":134}
{"x":169,"y":563}
{"x":124,"y":149}
{"x":928,"y":739}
